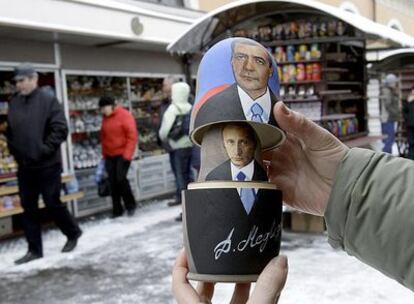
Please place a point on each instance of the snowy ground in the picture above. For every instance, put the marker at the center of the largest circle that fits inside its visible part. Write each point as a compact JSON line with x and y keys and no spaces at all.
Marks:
{"x":129,"y":260}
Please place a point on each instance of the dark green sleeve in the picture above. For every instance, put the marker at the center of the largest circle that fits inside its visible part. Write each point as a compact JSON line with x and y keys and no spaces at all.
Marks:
{"x":370,"y":213}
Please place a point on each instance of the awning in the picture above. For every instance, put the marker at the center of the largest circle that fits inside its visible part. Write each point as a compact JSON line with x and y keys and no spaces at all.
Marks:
{"x":104,"y":22}
{"x":216,"y":25}
{"x":394,"y":60}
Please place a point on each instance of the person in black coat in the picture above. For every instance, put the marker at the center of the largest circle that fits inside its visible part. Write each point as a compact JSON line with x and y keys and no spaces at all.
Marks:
{"x":36,"y":128}
{"x":408,"y":112}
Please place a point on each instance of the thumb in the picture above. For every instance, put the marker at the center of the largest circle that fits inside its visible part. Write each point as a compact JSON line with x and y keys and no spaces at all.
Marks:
{"x":271,"y":281}
{"x":313,"y":136}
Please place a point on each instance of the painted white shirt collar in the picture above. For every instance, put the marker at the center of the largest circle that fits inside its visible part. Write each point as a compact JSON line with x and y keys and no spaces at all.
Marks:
{"x":248,"y":170}
{"x":246,"y":102}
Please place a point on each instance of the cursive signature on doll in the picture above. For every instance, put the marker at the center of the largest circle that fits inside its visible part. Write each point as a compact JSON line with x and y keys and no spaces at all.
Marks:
{"x":254,"y":239}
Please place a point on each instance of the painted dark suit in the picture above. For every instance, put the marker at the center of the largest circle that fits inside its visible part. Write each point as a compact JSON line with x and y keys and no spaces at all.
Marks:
{"x":226,"y":211}
{"x":225,"y":106}
{"x":219,"y":224}
{"x":223,"y":172}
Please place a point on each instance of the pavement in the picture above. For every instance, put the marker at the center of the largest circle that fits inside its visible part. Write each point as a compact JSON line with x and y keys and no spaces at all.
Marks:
{"x":129,"y":260}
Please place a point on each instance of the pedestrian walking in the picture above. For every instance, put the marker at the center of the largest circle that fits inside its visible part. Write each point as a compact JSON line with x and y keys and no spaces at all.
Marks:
{"x":119,"y":138}
{"x":36,"y":129}
{"x":408,"y":112}
{"x":390,"y":111}
{"x":180,"y":143}
{"x":166,"y":90}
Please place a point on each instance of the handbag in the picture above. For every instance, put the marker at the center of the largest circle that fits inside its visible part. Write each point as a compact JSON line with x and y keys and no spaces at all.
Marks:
{"x":104,"y":187}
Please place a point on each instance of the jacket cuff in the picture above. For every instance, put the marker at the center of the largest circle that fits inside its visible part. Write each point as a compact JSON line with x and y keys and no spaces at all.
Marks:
{"x":340,"y":200}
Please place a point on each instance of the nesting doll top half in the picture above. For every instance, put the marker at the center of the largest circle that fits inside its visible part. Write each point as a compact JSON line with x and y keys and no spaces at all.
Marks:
{"x":237,"y":85}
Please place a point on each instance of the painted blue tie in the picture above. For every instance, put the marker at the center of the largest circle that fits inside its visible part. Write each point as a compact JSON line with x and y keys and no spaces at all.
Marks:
{"x":247,"y":195}
{"x":257,"y":112}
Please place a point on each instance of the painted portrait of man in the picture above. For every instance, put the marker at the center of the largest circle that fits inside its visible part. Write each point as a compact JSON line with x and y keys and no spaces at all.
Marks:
{"x":240,"y":143}
{"x":249,"y":97}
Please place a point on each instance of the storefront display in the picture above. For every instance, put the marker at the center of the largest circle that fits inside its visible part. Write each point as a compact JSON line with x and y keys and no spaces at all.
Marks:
{"x":8,"y":165}
{"x":9,"y":202}
{"x":320,"y":74}
{"x":146,"y":100}
{"x":83,"y":64}
{"x":143,"y":97}
{"x":85,"y":119}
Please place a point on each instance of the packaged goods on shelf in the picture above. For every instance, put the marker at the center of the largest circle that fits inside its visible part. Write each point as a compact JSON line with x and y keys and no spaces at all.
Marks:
{"x":146,"y":100}
{"x":341,"y":127}
{"x":7,"y":162}
{"x":9,"y":202}
{"x":311,"y":110}
{"x":85,"y":122}
{"x":295,"y":29}
{"x":86,"y":153}
{"x":84,"y":93}
{"x":320,"y":73}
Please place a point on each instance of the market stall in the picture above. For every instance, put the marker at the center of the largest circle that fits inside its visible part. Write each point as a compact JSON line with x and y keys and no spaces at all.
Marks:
{"x":401,"y":63}
{"x":10,"y":206}
{"x":319,"y":48}
{"x":321,"y":56}
{"x":150,"y":173}
{"x":79,"y":59}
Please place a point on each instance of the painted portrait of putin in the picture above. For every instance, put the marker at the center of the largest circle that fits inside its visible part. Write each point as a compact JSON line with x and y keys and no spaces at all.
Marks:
{"x":240,"y":144}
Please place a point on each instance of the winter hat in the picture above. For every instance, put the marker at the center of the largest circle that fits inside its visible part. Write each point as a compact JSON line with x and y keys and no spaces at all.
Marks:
{"x":24,"y":70}
{"x":180,"y":92}
{"x":391,"y":79}
{"x":106,"y":101}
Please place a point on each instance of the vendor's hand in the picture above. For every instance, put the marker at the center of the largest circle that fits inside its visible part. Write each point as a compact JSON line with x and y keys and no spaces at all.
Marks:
{"x":304,"y":166}
{"x":267,"y":290}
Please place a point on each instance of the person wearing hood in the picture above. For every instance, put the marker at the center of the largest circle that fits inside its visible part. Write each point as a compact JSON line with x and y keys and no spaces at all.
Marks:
{"x":182,"y":146}
{"x":390,"y":111}
{"x":119,"y":138}
{"x":408,"y":112}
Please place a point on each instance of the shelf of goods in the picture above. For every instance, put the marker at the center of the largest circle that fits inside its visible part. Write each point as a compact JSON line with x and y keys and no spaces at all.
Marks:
{"x":321,"y":68}
{"x":83,"y":93}
{"x":147,"y":102}
{"x":10,"y":201}
{"x":144,"y":98}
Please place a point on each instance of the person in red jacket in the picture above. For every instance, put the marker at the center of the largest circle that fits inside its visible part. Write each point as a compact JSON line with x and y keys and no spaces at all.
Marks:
{"x":119,"y":139}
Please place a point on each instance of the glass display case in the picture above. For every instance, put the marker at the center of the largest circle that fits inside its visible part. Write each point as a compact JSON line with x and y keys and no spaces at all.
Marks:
{"x":83,"y":93}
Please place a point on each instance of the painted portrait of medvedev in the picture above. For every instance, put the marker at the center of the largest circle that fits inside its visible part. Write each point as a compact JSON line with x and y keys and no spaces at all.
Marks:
{"x":237,"y":81}
{"x":247,"y":95}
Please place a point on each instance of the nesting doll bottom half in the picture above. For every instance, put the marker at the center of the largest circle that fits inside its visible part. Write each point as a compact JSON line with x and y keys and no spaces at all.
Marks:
{"x":231,"y":230}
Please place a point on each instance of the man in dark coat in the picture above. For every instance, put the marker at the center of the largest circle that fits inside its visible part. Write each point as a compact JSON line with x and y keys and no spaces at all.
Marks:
{"x":36,"y":129}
